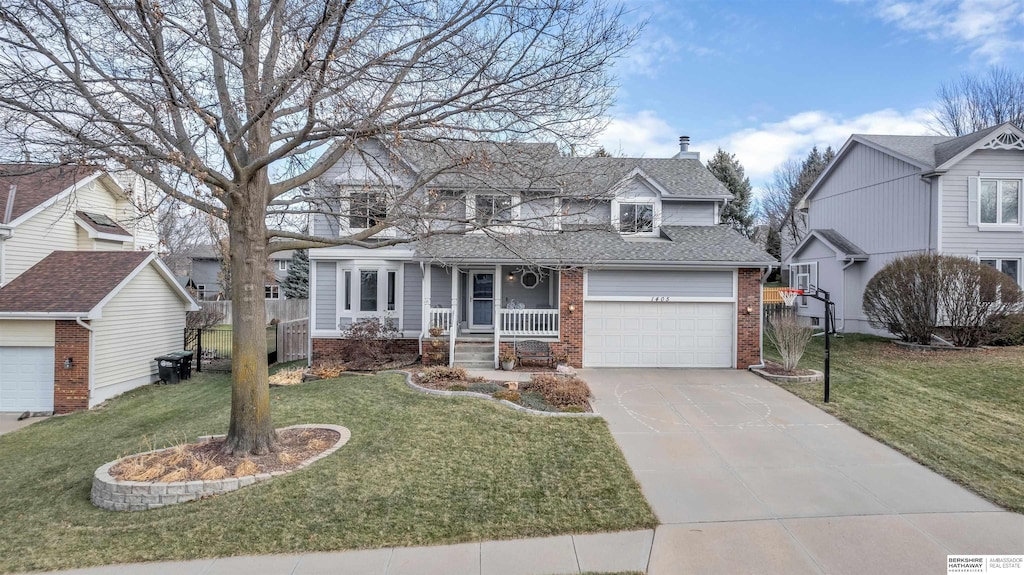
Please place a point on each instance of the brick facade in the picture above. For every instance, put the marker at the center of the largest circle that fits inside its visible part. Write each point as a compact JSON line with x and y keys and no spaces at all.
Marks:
{"x":70,"y":386}
{"x":748,"y":325}
{"x":328,"y":349}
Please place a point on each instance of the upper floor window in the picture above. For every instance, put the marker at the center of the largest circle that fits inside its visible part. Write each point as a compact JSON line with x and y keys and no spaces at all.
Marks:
{"x":999,"y":201}
{"x":636,"y":218}
{"x":367,"y":209}
{"x":282,"y":265}
{"x":493,"y":209}
{"x":271,"y":292}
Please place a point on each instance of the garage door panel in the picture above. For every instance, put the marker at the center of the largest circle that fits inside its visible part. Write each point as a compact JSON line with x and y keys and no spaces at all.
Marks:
{"x":651,"y":334}
{"x":26,"y":379}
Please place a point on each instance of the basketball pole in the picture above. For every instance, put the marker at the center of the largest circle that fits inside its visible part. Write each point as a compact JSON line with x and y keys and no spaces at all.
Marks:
{"x":823,"y":296}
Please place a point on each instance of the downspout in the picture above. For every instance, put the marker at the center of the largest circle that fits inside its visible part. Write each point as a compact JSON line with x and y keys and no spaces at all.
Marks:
{"x":760,"y":321}
{"x":848,"y":262}
{"x":92,"y":356}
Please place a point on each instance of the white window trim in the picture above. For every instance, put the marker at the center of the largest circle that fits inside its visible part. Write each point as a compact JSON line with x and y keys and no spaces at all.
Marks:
{"x":274,"y":289}
{"x":282,"y":265}
{"x":345,"y":208}
{"x":999,"y":258}
{"x":382,"y":268}
{"x":517,"y":204}
{"x":795,"y":271}
{"x":998,"y":226}
{"x":616,"y":222}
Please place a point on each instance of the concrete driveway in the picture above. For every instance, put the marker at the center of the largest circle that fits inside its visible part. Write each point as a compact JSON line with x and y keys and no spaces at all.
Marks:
{"x":9,"y":421}
{"x":748,"y":478}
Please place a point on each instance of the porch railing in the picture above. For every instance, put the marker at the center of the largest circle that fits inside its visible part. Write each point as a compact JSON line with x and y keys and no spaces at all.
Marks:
{"x":529,"y":322}
{"x":441,"y":317}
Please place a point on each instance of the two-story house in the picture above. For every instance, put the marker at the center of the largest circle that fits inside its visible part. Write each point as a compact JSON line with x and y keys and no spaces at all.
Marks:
{"x":886,"y":196}
{"x":206,"y":273}
{"x":84,"y":305}
{"x":613,"y":261}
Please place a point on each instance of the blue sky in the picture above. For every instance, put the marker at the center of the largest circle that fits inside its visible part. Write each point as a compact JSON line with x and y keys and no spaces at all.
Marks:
{"x":768,"y":79}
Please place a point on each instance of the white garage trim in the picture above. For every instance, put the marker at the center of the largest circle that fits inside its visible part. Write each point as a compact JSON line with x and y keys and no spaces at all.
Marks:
{"x":677,"y":299}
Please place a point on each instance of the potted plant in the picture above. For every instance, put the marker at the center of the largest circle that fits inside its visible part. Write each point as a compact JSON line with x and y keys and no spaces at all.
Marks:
{"x":508,"y":360}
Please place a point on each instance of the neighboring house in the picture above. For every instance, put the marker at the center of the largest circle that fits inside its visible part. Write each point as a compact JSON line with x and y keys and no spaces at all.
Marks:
{"x":80,"y":327}
{"x":613,"y":261}
{"x":205,"y":274}
{"x":887,"y":196}
{"x":49,"y":208}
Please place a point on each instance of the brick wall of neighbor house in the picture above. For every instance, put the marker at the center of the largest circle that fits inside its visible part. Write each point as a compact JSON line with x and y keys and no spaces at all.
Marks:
{"x":330,"y":349}
{"x":70,"y":386}
{"x":748,"y":326}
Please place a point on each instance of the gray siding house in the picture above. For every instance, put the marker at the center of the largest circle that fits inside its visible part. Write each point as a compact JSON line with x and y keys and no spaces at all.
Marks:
{"x":886,"y":196}
{"x":205,"y":277}
{"x":613,"y":261}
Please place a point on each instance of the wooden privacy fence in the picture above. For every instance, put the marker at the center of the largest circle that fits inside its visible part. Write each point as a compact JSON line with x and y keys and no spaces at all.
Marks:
{"x":771,"y":295}
{"x":292,"y":340}
{"x":279,"y":309}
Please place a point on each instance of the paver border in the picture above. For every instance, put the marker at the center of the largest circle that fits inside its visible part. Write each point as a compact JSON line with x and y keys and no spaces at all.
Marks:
{"x":117,"y":495}
{"x":815,"y":377}
{"x":506,"y":403}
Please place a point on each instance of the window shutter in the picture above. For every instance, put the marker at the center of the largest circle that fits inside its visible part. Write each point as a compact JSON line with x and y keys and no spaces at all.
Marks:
{"x":972,"y":200}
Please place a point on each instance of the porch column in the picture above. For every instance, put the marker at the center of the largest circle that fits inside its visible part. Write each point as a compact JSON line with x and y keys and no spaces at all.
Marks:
{"x":425,"y":293}
{"x":499,"y":279}
{"x":453,"y":330}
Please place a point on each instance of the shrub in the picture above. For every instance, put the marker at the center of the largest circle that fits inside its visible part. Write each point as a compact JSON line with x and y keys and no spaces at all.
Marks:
{"x":1004,"y":329}
{"x":369,"y":341}
{"x":789,"y":337}
{"x":443,"y":373}
{"x":327,"y":370}
{"x":560,"y":391}
{"x":207,"y":316}
{"x":536,"y":401}
{"x":903,"y":296}
{"x":485,"y":387}
{"x":911,"y":296}
{"x":507,"y":395}
{"x":972,"y":293}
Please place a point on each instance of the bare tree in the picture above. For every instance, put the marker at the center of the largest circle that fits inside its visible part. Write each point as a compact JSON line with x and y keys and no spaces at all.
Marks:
{"x":225,"y":105}
{"x":181,"y":229}
{"x":977,"y":101}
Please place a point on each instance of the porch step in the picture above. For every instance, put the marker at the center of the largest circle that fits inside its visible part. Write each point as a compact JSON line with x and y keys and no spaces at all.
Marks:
{"x":476,"y":347}
{"x":474,"y":364}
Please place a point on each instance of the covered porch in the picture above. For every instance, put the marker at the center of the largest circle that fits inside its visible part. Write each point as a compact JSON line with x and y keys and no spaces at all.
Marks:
{"x":504,"y":300}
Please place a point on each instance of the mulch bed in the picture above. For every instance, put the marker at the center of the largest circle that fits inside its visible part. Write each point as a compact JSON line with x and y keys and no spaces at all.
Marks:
{"x":776,"y":369}
{"x":205,"y":460}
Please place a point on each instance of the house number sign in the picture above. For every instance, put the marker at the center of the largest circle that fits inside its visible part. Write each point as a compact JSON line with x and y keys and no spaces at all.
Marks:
{"x":661,"y":298}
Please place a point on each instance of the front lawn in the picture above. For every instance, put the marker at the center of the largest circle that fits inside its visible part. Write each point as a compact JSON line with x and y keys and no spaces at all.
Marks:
{"x":959,"y":413}
{"x":419,"y":470}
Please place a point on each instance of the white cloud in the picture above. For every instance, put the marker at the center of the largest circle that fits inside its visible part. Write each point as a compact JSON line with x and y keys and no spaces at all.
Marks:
{"x":763,"y":148}
{"x":990,"y":29}
{"x":643,"y":134}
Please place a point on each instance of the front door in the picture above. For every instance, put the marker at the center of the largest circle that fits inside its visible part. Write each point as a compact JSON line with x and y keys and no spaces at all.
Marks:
{"x":481,"y":308}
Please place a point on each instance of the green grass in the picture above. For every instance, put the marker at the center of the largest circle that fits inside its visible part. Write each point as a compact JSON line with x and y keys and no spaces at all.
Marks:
{"x":419,"y":470}
{"x":959,"y":413}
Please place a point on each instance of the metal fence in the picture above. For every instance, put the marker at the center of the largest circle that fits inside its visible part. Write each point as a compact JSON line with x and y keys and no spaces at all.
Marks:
{"x":212,"y":346}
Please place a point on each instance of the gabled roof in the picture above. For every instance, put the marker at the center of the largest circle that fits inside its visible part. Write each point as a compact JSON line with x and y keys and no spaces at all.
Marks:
{"x":33,"y":185}
{"x":708,"y":245}
{"x":843,"y":248}
{"x":69,"y":284}
{"x":539,"y":166}
{"x":930,"y":153}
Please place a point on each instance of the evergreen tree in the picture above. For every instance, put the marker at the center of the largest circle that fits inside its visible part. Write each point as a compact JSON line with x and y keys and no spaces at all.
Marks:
{"x":729,"y":171}
{"x":296,"y":283}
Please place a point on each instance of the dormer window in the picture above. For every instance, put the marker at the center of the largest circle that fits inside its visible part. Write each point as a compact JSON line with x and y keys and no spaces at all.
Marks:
{"x":636,"y":218}
{"x":367,"y":209}
{"x":493,"y":209}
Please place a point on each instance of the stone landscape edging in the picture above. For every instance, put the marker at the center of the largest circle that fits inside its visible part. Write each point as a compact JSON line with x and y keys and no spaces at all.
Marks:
{"x":515,"y":406}
{"x":117,"y":495}
{"x":812,"y":378}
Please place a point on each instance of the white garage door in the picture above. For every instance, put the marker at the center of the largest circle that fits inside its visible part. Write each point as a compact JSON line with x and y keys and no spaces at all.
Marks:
{"x":670,"y":334}
{"x":26,"y":379}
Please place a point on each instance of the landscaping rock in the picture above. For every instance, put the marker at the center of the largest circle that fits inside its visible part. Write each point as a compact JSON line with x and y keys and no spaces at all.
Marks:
{"x":565,"y":370}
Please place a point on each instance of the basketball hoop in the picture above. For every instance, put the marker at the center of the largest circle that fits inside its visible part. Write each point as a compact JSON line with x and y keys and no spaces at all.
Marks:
{"x":789,"y":295}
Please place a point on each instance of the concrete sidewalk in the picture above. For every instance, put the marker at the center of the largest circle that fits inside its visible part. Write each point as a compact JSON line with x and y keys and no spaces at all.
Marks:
{"x":602,"y":552}
{"x":746,"y":477}
{"x":9,"y":421}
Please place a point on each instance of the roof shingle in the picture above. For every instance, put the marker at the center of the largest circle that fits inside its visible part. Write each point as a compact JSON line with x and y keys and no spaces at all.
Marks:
{"x":35,"y":183}
{"x":69,"y":282}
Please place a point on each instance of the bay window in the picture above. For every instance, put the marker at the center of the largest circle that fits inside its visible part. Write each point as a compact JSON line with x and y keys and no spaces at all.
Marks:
{"x":370,"y":289}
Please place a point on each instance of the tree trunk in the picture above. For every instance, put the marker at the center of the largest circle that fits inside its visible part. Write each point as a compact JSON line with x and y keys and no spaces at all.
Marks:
{"x":251,"y":430}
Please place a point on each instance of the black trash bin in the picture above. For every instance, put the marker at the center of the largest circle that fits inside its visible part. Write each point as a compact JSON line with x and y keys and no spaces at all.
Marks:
{"x":184,"y":363}
{"x":169,"y":368}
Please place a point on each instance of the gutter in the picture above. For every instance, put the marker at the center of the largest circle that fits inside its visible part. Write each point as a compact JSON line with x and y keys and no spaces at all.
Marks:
{"x":92,"y":355}
{"x":760,"y":336}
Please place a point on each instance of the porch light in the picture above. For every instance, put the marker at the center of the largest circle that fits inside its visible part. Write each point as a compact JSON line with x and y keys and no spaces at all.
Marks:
{"x":572,"y":307}
{"x":68,"y":363}
{"x":749,"y":310}
{"x":511,"y":276}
